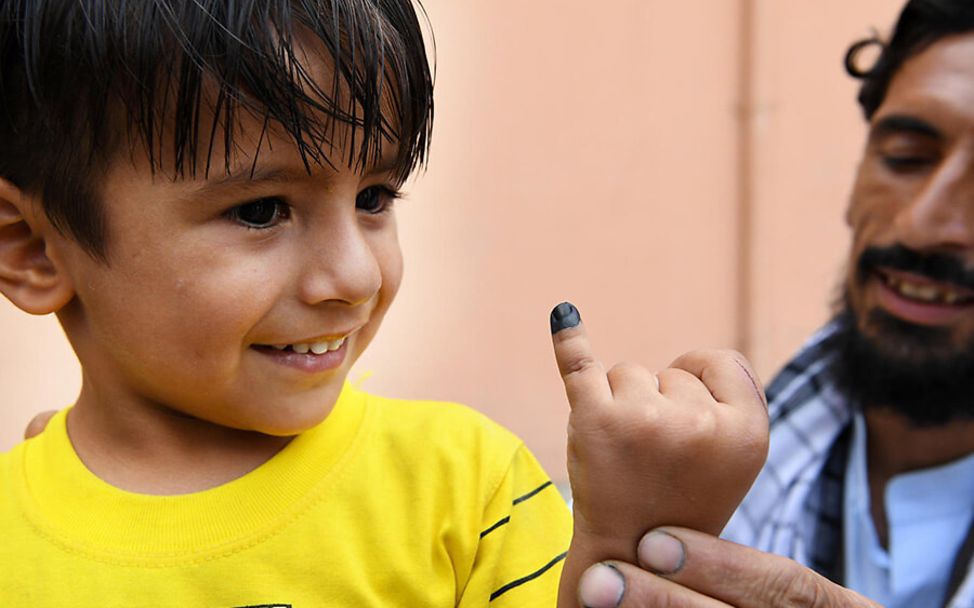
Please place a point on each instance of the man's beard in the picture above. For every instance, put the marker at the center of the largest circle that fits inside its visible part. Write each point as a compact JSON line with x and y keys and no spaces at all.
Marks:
{"x":918,"y":371}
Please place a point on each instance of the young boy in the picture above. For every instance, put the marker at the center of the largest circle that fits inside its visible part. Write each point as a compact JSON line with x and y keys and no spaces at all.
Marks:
{"x":202,"y":191}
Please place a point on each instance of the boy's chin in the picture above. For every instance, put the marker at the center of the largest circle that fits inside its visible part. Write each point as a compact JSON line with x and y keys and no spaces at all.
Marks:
{"x":295,"y":423}
{"x":290,"y":431}
{"x":287,"y":420}
{"x":304,"y":414}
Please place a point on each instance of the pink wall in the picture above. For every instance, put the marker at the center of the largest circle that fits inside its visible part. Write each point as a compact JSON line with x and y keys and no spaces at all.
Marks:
{"x":807,"y":133}
{"x":593,"y":152}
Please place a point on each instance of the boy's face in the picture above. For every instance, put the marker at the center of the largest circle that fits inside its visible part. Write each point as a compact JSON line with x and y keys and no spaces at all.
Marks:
{"x":210,"y":278}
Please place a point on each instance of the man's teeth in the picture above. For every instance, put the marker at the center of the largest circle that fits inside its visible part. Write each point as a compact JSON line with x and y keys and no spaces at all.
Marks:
{"x":318,"y":348}
{"x":925,"y":292}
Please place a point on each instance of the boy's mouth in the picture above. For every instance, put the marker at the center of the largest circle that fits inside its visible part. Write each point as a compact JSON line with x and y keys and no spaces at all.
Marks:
{"x":318,"y":347}
{"x":317,"y":355}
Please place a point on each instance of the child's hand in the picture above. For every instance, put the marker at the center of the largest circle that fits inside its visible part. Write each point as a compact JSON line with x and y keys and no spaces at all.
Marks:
{"x":677,"y":447}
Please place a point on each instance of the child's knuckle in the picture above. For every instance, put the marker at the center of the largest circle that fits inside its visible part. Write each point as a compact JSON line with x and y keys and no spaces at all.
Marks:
{"x":578,"y":365}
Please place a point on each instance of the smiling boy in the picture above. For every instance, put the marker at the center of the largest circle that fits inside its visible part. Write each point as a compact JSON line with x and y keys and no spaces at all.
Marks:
{"x":203,"y":193}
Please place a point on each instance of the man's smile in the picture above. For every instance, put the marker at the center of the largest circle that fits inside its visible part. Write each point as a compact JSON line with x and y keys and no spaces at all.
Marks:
{"x":924,"y":289}
{"x":919,"y":299}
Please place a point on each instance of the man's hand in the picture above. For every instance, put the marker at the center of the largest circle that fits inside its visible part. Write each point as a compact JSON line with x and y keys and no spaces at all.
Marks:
{"x":38,"y":423}
{"x":696,"y":570}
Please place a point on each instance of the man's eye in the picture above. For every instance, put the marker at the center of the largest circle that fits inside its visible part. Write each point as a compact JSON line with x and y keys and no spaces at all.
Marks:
{"x":375,"y":199}
{"x":261,"y":214}
{"x":906,"y":163}
{"x":902,"y":154}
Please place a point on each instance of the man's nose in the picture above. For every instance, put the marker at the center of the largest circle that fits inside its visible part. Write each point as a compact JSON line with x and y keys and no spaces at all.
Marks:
{"x":941,"y":214}
{"x":340,"y":265}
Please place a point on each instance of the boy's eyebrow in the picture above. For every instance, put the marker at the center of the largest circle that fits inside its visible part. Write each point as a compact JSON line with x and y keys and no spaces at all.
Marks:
{"x":243,"y":180}
{"x":275,"y":175}
{"x":902,"y":123}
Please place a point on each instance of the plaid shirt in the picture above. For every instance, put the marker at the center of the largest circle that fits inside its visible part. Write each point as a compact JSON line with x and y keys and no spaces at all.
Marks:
{"x":795,"y":506}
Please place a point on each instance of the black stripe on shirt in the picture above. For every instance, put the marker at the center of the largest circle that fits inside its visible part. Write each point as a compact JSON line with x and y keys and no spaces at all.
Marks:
{"x":521,"y":499}
{"x":516,"y":501}
{"x":495,"y":526}
{"x":529,"y":577}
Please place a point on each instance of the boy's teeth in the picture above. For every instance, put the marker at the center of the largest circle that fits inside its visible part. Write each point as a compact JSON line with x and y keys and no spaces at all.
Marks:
{"x":317,"y":348}
{"x":320,"y":348}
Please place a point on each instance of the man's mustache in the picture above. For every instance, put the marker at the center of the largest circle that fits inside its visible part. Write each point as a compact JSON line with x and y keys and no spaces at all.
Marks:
{"x":941,"y":267}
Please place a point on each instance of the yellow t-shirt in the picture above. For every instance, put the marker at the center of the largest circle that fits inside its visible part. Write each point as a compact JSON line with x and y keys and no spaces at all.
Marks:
{"x":386,"y":503}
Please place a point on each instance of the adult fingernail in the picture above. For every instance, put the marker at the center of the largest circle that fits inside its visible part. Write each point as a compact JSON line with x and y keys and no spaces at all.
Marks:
{"x":661,"y":552}
{"x":601,"y":586}
{"x":564,"y":316}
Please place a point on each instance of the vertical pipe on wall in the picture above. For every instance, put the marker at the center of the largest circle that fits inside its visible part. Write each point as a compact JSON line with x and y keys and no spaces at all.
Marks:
{"x":745,"y":177}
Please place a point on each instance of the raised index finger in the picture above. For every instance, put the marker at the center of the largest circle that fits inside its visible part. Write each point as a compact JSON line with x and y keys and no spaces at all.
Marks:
{"x":583,"y":374}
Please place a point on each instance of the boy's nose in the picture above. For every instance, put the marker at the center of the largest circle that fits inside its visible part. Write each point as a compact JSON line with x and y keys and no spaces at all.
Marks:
{"x":941,"y":214}
{"x":340,"y":266}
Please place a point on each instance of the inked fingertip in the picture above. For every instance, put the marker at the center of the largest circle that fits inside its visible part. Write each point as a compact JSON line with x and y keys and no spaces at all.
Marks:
{"x":564,"y":316}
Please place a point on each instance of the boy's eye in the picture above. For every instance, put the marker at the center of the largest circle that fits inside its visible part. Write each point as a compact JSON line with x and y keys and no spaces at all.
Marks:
{"x":375,"y":199}
{"x":260,"y":214}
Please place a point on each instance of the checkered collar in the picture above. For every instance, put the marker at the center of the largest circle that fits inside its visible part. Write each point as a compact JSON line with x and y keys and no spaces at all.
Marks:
{"x":795,"y":506}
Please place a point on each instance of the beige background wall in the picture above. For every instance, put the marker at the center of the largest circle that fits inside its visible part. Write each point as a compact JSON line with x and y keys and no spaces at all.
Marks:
{"x":677,"y":169}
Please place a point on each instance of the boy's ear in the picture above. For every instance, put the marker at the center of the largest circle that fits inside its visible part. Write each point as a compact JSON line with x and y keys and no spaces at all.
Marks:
{"x":28,"y":275}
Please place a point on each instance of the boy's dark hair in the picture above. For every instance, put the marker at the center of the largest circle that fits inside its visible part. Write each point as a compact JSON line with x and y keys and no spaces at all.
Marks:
{"x":920,"y":24}
{"x":81,"y":80}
